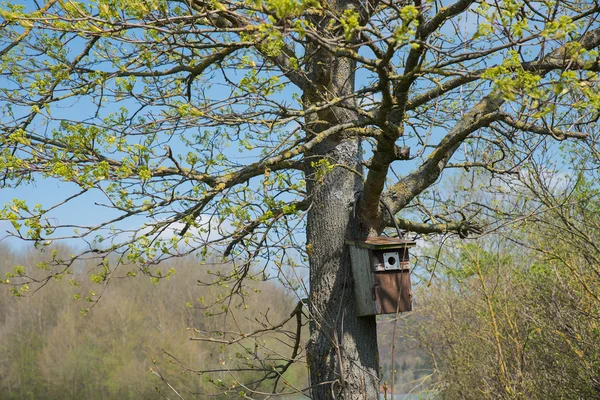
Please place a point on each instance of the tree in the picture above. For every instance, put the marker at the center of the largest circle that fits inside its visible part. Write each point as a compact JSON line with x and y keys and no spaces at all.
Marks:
{"x":144,"y":103}
{"x":517,"y":316}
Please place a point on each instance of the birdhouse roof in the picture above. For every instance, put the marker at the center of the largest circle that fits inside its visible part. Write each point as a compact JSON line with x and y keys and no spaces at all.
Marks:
{"x":381,"y":243}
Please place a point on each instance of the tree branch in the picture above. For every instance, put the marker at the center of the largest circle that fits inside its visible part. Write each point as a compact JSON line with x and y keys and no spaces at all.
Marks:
{"x":462,"y":228}
{"x":413,"y":184}
{"x":224,"y":17}
{"x":385,"y":151}
{"x":26,"y":31}
{"x":485,"y":112}
{"x":540,"y":130}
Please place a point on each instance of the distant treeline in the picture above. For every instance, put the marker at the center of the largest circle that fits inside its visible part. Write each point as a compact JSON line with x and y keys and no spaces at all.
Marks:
{"x":49,"y":350}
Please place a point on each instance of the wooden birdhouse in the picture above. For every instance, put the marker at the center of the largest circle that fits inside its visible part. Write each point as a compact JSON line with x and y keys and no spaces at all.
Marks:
{"x":380,"y":266}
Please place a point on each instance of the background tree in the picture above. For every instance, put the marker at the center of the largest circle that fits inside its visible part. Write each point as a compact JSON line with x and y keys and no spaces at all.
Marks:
{"x":515,"y":315}
{"x":136,"y":339}
{"x":144,"y":107}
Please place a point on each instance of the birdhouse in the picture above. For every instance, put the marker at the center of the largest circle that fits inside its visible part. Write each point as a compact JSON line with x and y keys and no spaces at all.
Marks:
{"x":380,"y":266}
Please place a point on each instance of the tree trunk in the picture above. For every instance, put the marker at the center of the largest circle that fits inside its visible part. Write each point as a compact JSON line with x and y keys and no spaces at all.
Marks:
{"x":342,"y":351}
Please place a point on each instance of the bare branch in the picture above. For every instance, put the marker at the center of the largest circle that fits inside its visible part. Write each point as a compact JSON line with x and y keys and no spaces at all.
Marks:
{"x":540,"y":130}
{"x":462,"y":228}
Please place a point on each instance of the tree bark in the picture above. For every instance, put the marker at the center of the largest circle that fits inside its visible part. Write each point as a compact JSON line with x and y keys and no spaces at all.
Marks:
{"x":342,"y":351}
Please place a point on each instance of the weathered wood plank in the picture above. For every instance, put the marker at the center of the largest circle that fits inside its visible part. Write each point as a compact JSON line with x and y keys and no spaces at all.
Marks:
{"x":363,"y":281}
{"x":381,"y":243}
{"x":393,"y":292}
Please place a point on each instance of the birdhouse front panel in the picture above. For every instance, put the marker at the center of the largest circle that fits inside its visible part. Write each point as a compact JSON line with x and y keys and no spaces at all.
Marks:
{"x":380,"y":267}
{"x":392,"y":292}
